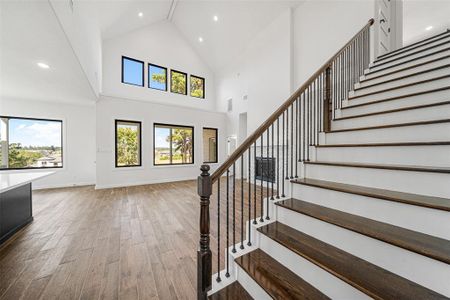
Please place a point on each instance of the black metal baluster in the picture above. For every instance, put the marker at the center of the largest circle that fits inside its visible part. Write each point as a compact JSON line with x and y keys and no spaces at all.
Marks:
{"x":234,"y":208}
{"x":261,"y":219}
{"x":242,"y":202}
{"x":316,"y":137}
{"x":287,"y":144}
{"x":272,"y":166}
{"x":305,"y":93}
{"x":227,"y":274}
{"x":297,"y":150}
{"x":278,"y":158}
{"x":249,"y":243}
{"x":282,"y":167}
{"x":254,"y":184}
{"x":218,"y":279}
{"x":267,"y":176}
{"x":292,"y":141}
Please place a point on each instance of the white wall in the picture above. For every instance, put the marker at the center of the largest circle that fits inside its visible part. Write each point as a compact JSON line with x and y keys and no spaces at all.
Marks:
{"x":85,"y":38}
{"x":160,"y":44}
{"x":110,"y":108}
{"x":78,"y":138}
{"x":321,"y":28}
{"x":262,"y":73}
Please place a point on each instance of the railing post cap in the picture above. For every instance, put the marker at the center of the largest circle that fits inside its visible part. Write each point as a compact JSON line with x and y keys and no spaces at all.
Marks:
{"x":204,"y":184}
{"x":205,"y":170}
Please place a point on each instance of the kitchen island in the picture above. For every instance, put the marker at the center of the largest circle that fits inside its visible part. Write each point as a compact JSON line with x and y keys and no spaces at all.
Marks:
{"x":16,"y":201}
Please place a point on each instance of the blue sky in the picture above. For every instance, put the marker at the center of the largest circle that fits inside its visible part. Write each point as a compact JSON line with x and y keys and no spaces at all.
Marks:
{"x":160,"y":137}
{"x":35,"y":133}
{"x":154,"y":84}
{"x":132,"y":72}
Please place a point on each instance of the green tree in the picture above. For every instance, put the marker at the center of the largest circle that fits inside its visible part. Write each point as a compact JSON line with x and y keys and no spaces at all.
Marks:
{"x":127,"y":146}
{"x":197,"y":87}
{"x":178,"y":83}
{"x":182,"y":142}
{"x":160,"y":78}
{"x":21,"y":158}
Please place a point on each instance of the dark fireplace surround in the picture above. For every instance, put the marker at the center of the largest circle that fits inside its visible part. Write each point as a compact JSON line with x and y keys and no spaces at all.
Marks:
{"x":265,"y":168}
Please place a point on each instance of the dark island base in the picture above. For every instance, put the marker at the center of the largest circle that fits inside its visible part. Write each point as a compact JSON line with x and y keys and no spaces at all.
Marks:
{"x":15,"y":211}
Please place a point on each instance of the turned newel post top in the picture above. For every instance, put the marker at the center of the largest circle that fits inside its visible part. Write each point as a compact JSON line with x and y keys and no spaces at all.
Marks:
{"x":204,"y":184}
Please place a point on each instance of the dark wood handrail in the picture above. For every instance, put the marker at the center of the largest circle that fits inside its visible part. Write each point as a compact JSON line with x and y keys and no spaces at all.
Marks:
{"x":269,"y":121}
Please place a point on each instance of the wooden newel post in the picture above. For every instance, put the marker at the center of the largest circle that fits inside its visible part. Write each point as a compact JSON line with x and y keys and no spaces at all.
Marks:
{"x":327,"y":101}
{"x":204,"y":257}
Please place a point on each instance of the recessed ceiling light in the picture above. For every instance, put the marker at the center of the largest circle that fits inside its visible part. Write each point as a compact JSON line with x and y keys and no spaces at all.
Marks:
{"x":43,"y":66}
{"x":200,"y":39}
{"x":216,"y":18}
{"x":141,"y":14}
{"x":429,"y":28}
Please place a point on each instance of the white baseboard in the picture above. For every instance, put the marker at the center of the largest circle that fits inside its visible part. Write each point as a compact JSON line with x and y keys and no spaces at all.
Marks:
{"x":61,"y":185}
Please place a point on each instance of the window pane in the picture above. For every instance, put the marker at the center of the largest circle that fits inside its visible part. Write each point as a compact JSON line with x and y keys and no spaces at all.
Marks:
{"x":128,"y":144}
{"x":210,"y":145}
{"x":173,"y":144}
{"x":182,"y":145}
{"x":132,"y":71}
{"x":197,"y":87}
{"x":178,"y":82}
{"x":157,"y":77}
{"x":162,"y":145}
{"x":34,"y":143}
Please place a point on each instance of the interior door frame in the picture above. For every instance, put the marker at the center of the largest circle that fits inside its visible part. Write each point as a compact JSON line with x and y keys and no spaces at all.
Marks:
{"x":396,"y":37}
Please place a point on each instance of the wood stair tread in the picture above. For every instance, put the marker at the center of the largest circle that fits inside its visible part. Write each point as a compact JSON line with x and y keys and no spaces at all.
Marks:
{"x":407,"y":198}
{"x":394,"y":110}
{"x":366,"y":277}
{"x":398,"y":97}
{"x":397,"y":87}
{"x":409,"y":47}
{"x":277,"y":280}
{"x":393,"y":125}
{"x":393,"y":144}
{"x":431,"y":169}
{"x":423,"y":244}
{"x":232,"y":291}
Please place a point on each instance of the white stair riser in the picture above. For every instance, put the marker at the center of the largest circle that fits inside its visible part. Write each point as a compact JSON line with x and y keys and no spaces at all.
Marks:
{"x":426,"y":220}
{"x":403,"y":155}
{"x":429,"y":98}
{"x":416,"y":47}
{"x":400,"y":74}
{"x":424,"y":183}
{"x":410,"y":57}
{"x":434,"y":274}
{"x":416,"y":133}
{"x":407,"y":116}
{"x":420,"y":87}
{"x":328,"y":284}
{"x":250,"y":285}
{"x":408,"y":80}
{"x":414,"y":52}
{"x":368,"y":75}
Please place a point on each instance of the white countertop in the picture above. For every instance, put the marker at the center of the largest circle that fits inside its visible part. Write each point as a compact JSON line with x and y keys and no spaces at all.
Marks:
{"x":8,"y":181}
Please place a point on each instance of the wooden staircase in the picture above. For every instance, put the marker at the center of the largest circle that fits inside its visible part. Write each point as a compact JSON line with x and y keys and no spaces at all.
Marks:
{"x":368,"y":214}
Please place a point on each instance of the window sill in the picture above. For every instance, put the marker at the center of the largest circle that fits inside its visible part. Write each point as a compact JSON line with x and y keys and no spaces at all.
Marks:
{"x":137,"y":168}
{"x":33,"y":170}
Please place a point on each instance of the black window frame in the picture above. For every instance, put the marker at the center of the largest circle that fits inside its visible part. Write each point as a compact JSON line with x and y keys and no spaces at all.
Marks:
{"x":148,"y":75}
{"x":143,"y":71}
{"x":217,"y":145}
{"x":186,"y":81}
{"x":171,"y":127}
{"x":38,"y":119}
{"x":116,"y":121}
{"x":190,"y":87}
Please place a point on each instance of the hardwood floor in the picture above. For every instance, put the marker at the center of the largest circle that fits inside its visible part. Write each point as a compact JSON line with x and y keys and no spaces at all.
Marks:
{"x":123,"y":243}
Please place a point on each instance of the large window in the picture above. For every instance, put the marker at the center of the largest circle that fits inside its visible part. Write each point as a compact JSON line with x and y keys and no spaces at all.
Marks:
{"x":197,"y":87}
{"x":173,"y":144}
{"x":157,"y":77}
{"x":132,"y":71}
{"x":178,"y":82}
{"x":210,"y":145}
{"x":30,"y":143}
{"x":128,"y":143}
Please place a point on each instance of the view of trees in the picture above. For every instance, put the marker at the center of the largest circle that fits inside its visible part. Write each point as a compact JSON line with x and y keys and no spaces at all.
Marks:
{"x":197,"y":87}
{"x":173,"y":145}
{"x":182,"y":143}
{"x":178,"y":82}
{"x":128,"y":145}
